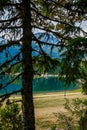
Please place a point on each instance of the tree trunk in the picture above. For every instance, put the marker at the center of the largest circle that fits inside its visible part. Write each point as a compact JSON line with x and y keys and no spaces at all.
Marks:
{"x":27,"y":76}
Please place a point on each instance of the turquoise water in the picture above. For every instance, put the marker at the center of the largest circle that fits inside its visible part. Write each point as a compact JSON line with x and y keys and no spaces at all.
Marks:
{"x":50,"y":84}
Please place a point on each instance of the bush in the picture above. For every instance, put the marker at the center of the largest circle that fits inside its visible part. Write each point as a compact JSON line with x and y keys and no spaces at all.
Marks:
{"x":10,"y":118}
{"x":76,"y":117}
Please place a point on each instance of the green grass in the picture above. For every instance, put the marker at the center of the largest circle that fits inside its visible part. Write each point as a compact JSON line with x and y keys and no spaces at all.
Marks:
{"x":77,"y":90}
{"x":62,"y":92}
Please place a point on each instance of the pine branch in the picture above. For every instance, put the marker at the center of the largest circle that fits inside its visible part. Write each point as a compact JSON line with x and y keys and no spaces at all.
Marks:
{"x":9,"y":94}
{"x":9,"y":61}
{"x":47,"y":43}
{"x":36,"y":51}
{"x":11,"y":19}
{"x":10,"y":27}
{"x":4,"y":4}
{"x":51,"y":31}
{"x":53,"y":20}
{"x":9,"y":44}
{"x":12,"y":65}
{"x":8,"y":83}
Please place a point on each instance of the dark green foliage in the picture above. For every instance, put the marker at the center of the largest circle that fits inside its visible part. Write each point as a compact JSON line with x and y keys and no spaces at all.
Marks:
{"x":78,"y":42}
{"x":83,"y":69}
{"x":53,"y":127}
{"x":82,"y":4}
{"x":4,"y":1}
{"x":71,"y":64}
{"x":83,"y":122}
{"x":45,"y":5}
{"x":10,"y":117}
{"x":84,"y":87}
{"x":44,"y":64}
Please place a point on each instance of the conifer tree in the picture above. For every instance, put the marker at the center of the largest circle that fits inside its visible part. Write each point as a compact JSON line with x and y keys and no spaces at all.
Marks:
{"x":19,"y":19}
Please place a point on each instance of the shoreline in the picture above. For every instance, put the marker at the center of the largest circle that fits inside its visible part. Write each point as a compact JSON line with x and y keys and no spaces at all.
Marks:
{"x":50,"y":94}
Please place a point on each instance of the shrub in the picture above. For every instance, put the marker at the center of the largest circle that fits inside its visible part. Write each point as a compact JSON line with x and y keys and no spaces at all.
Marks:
{"x":76,"y":117}
{"x":10,"y":118}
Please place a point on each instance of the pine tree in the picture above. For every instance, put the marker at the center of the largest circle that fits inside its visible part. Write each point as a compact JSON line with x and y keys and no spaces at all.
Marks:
{"x":18,"y":21}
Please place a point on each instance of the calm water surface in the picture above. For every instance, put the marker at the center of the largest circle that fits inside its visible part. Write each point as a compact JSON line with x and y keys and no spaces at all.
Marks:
{"x":50,"y":84}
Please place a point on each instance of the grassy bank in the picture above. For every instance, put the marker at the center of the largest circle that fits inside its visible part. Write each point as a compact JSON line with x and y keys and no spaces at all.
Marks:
{"x":49,"y":103}
{"x":46,"y":104}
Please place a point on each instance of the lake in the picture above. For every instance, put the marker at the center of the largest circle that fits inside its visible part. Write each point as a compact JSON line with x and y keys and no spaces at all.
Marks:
{"x":41,"y":84}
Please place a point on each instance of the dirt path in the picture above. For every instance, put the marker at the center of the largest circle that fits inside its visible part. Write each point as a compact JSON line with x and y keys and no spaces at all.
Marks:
{"x":61,"y":95}
{"x":47,"y":109}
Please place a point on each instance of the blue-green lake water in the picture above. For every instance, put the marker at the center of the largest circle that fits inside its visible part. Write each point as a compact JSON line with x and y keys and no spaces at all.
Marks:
{"x":50,"y":84}
{"x":41,"y":84}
